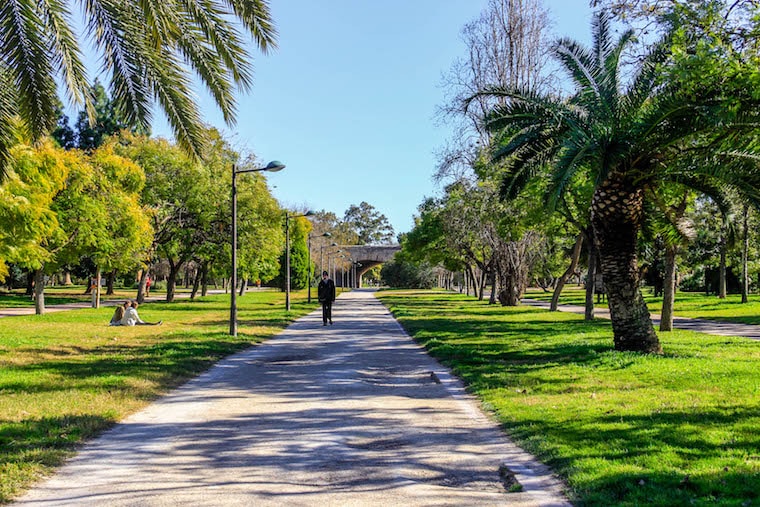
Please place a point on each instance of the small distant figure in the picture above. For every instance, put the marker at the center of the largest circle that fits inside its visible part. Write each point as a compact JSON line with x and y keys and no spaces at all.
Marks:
{"x":131,"y":318}
{"x":147,"y":286}
{"x":118,"y":314}
{"x":326,"y":295}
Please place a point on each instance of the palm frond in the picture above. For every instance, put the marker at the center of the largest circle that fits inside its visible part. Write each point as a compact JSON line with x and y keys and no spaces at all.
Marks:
{"x":7,"y":113}
{"x":68,"y":59}
{"x":211,"y":70}
{"x":115,"y":33}
{"x":26,"y":57}
{"x":255,"y":15}
{"x":229,"y":46}
{"x":578,"y":62}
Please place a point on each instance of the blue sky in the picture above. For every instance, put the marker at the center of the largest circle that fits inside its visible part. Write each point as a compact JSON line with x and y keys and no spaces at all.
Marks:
{"x":348,"y":99}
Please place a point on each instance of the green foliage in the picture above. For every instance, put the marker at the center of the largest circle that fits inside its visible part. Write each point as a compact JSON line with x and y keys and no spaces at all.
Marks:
{"x":299,"y":255}
{"x":620,"y":428}
{"x":371,"y":226}
{"x":404,"y":273}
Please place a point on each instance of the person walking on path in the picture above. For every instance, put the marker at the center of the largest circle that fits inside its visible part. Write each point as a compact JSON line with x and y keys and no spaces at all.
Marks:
{"x":326,"y":296}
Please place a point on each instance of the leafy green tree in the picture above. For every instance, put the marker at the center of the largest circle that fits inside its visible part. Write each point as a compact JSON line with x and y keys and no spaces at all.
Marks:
{"x":260,"y":230}
{"x":76,"y":206}
{"x":403,"y":273}
{"x":108,"y":121}
{"x":150,"y":49}
{"x":625,"y":138}
{"x":371,"y":226}
{"x":34,"y":179}
{"x":299,"y":255}
{"x":172,"y":195}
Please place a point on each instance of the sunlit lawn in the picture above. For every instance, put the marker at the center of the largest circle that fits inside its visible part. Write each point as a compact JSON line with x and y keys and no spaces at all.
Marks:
{"x":622,"y":429}
{"x":66,"y":376}
{"x":687,"y":304}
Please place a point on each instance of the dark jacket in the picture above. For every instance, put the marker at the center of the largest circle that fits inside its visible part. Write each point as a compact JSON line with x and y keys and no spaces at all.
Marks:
{"x":326,"y":290}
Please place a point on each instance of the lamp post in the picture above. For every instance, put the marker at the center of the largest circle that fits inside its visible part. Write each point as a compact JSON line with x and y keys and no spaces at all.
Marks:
{"x":287,"y":254}
{"x":311,"y":274}
{"x":331,"y":264}
{"x":272,"y":166}
{"x":321,"y":256}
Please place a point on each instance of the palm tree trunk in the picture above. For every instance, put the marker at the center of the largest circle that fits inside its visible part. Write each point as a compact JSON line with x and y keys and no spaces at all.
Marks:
{"x":574,"y":259}
{"x":669,"y":291}
{"x":616,"y":212}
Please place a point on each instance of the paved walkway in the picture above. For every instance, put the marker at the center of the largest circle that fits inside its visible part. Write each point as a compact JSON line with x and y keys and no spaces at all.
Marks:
{"x":350,"y":414}
{"x":700,"y":325}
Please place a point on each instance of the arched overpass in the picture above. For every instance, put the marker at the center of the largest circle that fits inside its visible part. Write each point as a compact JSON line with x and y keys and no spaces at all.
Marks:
{"x":367,"y":257}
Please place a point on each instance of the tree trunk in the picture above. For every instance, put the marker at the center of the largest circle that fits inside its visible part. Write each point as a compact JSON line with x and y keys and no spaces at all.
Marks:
{"x":745,"y":256}
{"x":669,"y":289}
{"x":574,"y":259}
{"x":39,"y":292}
{"x":67,"y":278}
{"x":243,"y":285}
{"x":30,"y":283}
{"x":616,"y":213}
{"x":142,"y":285}
{"x":171,"y":283}
{"x":482,"y":283}
{"x":204,"y":279}
{"x":110,"y":280}
{"x":590,"y":282}
{"x":196,"y":286}
{"x":723,"y":244}
{"x":494,"y":288}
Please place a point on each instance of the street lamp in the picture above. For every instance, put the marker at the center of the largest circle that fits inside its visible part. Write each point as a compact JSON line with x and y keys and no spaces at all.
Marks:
{"x":311,"y":274}
{"x":272,"y":166}
{"x":330,"y":263}
{"x":287,"y":254}
{"x":321,"y":256}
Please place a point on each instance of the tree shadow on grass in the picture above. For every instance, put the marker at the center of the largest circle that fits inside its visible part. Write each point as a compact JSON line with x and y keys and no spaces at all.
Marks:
{"x":116,"y":366}
{"x":676,"y":462}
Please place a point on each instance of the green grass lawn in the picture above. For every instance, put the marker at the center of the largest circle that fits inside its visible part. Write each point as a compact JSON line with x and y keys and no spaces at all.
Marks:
{"x":682,"y":428}
{"x":67,"y":376}
{"x":687,"y":304}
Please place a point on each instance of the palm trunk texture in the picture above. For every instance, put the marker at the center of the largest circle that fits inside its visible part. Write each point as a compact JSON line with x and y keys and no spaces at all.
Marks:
{"x":616,"y":212}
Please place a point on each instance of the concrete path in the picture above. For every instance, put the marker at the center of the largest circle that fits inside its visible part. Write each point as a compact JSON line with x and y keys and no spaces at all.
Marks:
{"x":700,"y":325}
{"x":344,"y":415}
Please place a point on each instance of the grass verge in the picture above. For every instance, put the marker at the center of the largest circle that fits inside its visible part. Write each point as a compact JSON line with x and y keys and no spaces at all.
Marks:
{"x":620,"y":428}
{"x":67,"y":376}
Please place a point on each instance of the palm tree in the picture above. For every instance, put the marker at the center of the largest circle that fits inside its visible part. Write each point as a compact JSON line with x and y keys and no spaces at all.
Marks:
{"x":148,"y":48}
{"x":625,"y":140}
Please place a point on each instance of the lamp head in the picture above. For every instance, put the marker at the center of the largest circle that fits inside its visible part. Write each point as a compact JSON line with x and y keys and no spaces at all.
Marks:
{"x":274,"y":166}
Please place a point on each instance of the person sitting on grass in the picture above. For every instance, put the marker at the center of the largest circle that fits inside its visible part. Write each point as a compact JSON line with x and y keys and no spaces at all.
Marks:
{"x":118,"y":314}
{"x":131,"y":318}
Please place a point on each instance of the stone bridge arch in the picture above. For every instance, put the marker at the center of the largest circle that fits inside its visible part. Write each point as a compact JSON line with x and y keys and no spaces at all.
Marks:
{"x":366,"y":255}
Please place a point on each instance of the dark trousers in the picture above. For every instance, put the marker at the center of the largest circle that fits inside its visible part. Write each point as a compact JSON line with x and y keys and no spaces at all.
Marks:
{"x":326,"y":311}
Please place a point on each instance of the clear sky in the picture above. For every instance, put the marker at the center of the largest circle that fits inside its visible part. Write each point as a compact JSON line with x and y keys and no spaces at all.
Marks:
{"x":348,"y":99}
